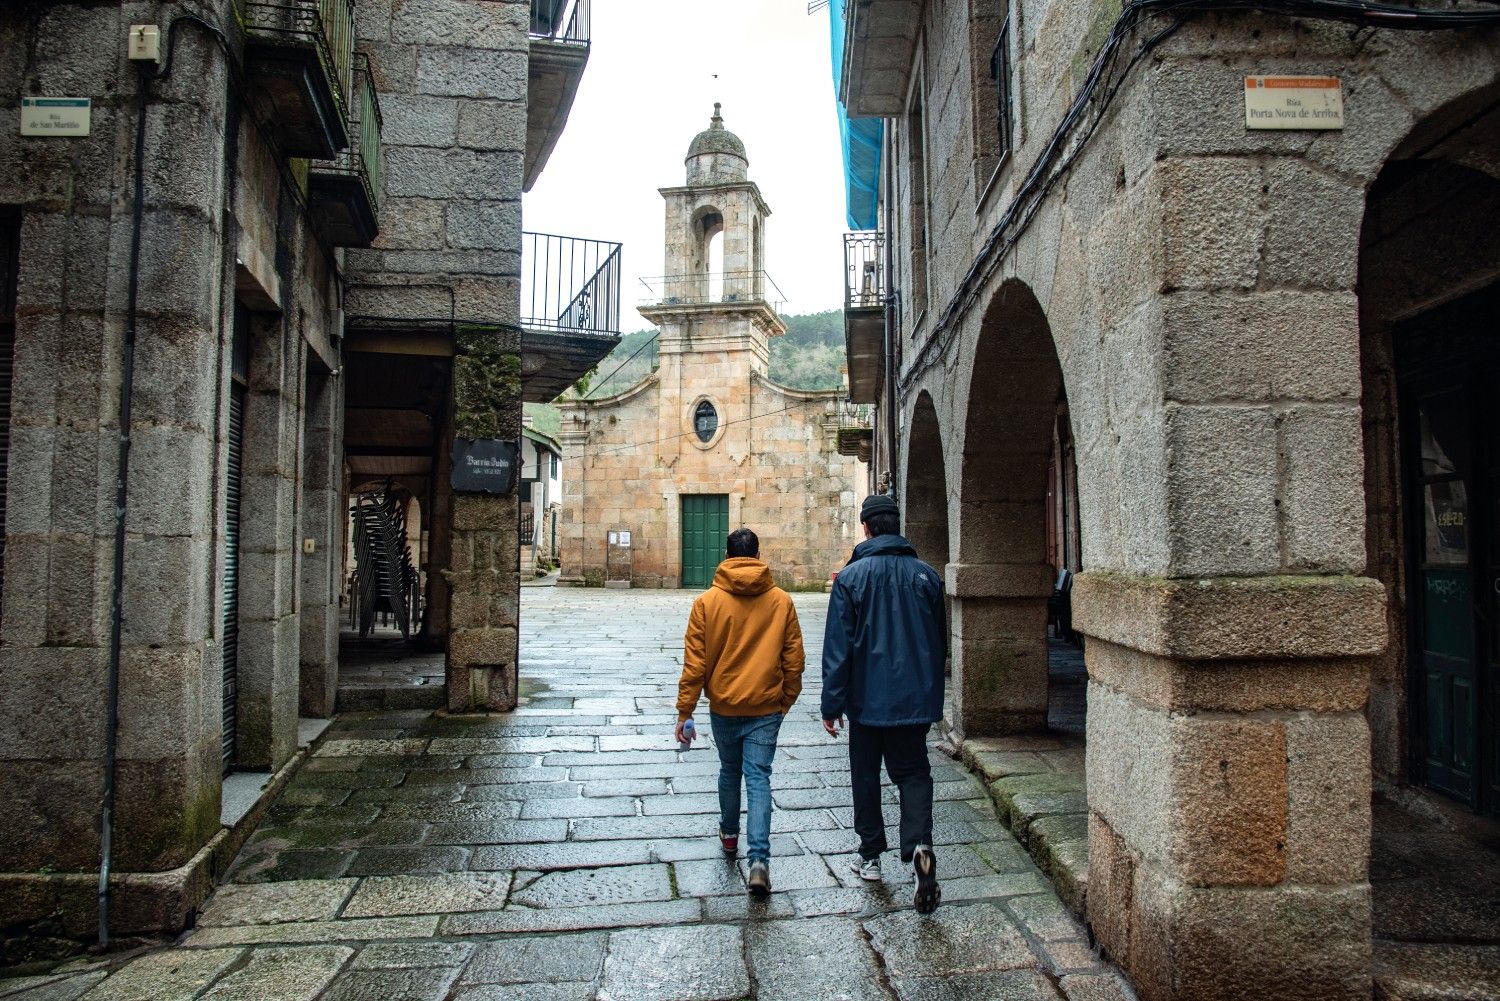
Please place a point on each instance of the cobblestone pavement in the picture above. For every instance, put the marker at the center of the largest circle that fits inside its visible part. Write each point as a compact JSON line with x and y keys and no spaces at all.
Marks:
{"x":567,"y":852}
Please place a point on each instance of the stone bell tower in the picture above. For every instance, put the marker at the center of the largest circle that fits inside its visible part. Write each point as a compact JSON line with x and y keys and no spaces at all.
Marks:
{"x":715,"y":325}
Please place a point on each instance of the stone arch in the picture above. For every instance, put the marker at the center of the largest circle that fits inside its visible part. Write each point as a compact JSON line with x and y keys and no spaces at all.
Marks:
{"x":925,"y":522}
{"x":1428,"y":284}
{"x":705,"y":230}
{"x":926,"y":494}
{"x":1000,"y":580}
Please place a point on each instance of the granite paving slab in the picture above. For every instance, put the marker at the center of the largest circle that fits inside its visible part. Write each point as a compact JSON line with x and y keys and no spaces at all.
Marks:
{"x":704,"y":963}
{"x":569,"y":851}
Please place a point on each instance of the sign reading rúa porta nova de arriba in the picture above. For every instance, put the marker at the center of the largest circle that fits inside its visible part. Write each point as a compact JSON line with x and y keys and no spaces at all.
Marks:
{"x":1293,"y":102}
{"x":55,"y":116}
{"x":484,"y":466}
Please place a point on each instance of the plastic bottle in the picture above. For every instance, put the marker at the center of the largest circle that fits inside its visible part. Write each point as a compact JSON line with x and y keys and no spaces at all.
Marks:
{"x":689,"y":734}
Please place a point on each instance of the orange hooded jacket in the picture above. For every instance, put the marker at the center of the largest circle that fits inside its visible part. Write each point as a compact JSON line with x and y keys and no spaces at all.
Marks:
{"x":743,"y":644}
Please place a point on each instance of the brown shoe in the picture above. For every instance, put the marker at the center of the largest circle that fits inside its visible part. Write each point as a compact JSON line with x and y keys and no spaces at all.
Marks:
{"x":760,"y":878}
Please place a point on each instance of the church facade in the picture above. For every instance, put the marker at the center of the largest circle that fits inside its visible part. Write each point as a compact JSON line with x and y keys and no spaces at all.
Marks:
{"x":661,"y":472}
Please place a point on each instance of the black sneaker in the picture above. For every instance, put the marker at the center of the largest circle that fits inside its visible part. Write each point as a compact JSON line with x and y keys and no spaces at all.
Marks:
{"x":760,"y":878}
{"x":928,"y":894}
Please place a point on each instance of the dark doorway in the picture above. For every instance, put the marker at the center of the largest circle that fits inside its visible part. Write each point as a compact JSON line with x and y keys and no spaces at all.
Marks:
{"x":1447,"y":363}
{"x":10,"y":260}
{"x":233,"y":492}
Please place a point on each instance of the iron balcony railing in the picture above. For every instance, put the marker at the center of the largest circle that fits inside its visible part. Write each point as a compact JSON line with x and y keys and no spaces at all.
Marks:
{"x":562,"y":20}
{"x":854,"y":428}
{"x":854,"y":416}
{"x":327,"y":25}
{"x":570,"y":284}
{"x":864,"y":270}
{"x":713,"y":288}
{"x":365,"y":157}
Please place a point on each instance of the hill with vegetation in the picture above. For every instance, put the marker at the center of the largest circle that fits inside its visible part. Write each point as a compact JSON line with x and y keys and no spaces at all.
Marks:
{"x":809,"y":356}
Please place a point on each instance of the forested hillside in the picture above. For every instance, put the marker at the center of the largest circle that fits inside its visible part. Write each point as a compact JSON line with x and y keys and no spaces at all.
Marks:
{"x":809,"y":356}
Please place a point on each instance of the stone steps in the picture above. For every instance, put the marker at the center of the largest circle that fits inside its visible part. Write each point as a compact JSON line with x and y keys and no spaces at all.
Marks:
{"x":1037,"y":785}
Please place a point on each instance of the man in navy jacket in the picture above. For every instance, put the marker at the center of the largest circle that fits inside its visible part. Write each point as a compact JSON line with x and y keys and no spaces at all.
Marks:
{"x":883,"y":653}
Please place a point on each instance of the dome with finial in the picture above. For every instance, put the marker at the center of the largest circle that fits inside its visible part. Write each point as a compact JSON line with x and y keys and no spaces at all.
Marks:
{"x":716,"y":155}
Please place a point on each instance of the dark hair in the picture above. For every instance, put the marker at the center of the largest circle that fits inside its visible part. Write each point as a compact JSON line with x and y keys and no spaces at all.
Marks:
{"x":884,"y":523}
{"x":743,"y":542}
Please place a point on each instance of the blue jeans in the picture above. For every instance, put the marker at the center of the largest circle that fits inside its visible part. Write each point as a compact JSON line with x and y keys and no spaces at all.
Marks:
{"x":746,"y":746}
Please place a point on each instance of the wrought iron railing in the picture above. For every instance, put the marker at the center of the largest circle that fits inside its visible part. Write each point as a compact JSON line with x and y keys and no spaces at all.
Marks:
{"x":526,"y":529}
{"x":854,"y":428}
{"x":562,"y":20}
{"x":365,"y":157}
{"x":569,"y":283}
{"x":855,"y":416}
{"x":712,"y":288}
{"x":864,"y":270}
{"x":327,"y":25}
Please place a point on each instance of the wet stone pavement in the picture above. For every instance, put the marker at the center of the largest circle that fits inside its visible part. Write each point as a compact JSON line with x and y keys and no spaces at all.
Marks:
{"x":567,"y":852}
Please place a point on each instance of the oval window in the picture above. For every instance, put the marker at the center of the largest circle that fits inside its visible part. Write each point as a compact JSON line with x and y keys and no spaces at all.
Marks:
{"x":705,"y":422}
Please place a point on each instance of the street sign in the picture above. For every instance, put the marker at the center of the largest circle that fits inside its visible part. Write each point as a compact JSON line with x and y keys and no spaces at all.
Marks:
{"x":484,"y":466}
{"x":1293,"y":102}
{"x":55,"y":116}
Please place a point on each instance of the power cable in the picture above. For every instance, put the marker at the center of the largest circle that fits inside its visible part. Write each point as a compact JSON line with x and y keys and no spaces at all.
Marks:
{"x":605,"y":381}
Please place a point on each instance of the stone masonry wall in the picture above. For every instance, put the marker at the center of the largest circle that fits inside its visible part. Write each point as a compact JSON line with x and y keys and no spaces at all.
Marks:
{"x":75,"y":197}
{"x":1198,"y":282}
{"x":778,"y":463}
{"x":452,"y":77}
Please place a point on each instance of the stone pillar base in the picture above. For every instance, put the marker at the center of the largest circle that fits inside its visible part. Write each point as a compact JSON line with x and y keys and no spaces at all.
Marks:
{"x":1228,"y":773}
{"x":54,"y":914}
{"x":999,"y":657}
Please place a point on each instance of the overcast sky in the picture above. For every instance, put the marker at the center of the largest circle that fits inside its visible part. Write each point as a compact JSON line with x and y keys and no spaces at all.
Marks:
{"x":650,"y":87}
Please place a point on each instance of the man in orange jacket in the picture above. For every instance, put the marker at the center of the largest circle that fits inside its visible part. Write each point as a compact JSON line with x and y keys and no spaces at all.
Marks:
{"x":743,"y":644}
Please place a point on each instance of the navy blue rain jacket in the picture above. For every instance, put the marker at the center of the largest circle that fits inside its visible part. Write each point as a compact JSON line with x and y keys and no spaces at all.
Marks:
{"x":886,"y":640}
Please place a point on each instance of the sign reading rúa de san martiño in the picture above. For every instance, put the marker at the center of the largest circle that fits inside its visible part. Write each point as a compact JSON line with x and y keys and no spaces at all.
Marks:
{"x":55,"y":116}
{"x":1293,"y":102}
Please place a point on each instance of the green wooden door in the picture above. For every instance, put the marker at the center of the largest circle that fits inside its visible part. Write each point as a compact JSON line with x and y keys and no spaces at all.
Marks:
{"x":1448,"y":363}
{"x":1444,"y":592}
{"x":705,"y":529}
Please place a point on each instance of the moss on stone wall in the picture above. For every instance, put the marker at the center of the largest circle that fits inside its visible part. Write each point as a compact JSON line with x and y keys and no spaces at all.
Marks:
{"x":486,"y":384}
{"x":1102,"y":18}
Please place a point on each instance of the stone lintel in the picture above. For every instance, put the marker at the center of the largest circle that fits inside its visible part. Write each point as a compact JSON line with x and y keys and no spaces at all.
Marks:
{"x":999,"y":580}
{"x":1233,"y":618}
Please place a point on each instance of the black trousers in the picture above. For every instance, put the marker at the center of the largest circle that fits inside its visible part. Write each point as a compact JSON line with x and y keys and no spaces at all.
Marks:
{"x":904,"y":751}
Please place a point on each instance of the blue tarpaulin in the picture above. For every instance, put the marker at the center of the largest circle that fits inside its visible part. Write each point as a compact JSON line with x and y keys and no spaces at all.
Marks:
{"x":861,"y":139}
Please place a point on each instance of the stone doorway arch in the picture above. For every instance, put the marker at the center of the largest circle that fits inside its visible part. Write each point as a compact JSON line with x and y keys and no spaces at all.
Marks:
{"x":1000,"y":580}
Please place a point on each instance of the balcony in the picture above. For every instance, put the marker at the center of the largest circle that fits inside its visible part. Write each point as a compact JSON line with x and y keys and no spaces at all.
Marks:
{"x":880,"y":37}
{"x":673,"y":296}
{"x":865,"y":294}
{"x":344,"y":193}
{"x":856,"y":430}
{"x":560,"y":33}
{"x":570,"y":310}
{"x":299,"y":57}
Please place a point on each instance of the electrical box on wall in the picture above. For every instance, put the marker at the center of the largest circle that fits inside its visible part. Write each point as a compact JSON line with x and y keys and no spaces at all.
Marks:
{"x":145,"y":43}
